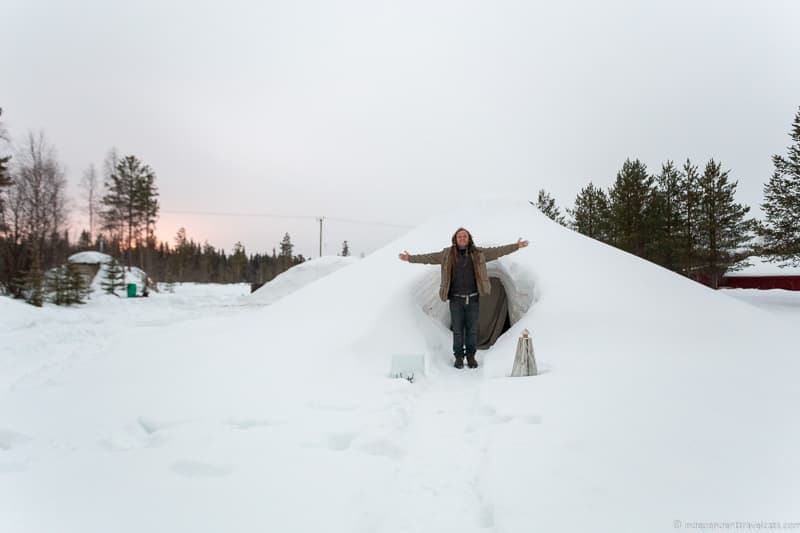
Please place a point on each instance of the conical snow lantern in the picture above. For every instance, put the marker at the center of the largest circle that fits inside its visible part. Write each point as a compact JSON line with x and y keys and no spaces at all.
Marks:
{"x":524,"y":362}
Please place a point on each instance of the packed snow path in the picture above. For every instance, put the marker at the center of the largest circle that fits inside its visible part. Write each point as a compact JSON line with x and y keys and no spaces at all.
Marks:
{"x":439,"y":477}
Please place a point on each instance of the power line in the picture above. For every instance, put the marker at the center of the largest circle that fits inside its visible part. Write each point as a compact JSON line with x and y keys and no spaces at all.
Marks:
{"x":369,"y":222}
{"x":272,"y":215}
{"x":230,"y":214}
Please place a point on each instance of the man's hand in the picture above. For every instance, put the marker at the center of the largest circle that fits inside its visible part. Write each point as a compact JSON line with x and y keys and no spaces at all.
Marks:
{"x":404,"y":255}
{"x":521,"y":243}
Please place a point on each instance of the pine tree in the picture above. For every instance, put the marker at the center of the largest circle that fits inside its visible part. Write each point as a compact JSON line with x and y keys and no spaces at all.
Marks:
{"x":345,"y":249}
{"x":690,"y":207}
{"x":114,"y":279}
{"x":590,"y":216}
{"x":547,"y":205}
{"x":722,"y":226}
{"x":285,"y":256}
{"x":781,"y":206}
{"x":667,"y":216}
{"x":130,"y":202}
{"x":630,"y":208}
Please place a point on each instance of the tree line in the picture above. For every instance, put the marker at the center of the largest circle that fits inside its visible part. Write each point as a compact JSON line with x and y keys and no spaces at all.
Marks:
{"x":685,"y":217}
{"x":122,"y":207}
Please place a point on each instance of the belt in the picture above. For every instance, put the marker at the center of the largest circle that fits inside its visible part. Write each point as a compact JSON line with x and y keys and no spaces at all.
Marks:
{"x":467,"y":296}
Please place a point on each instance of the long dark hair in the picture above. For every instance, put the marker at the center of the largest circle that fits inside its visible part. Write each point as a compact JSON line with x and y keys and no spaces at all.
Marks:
{"x":470,"y":244}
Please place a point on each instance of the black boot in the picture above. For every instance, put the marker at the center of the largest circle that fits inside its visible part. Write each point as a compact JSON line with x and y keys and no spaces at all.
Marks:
{"x":471,"y":362}
{"x":459,"y":361}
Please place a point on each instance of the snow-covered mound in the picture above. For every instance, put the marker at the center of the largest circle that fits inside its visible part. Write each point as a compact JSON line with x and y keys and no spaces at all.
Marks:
{"x":299,"y":276}
{"x":760,"y":266}
{"x":135,"y":275}
{"x":89,"y":258}
{"x":658,"y":400}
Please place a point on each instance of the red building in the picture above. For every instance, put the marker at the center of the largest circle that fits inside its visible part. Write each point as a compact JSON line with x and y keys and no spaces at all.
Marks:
{"x":763,"y":275}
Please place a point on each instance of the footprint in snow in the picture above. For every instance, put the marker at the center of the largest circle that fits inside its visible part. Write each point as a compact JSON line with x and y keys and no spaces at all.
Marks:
{"x":333,"y":441}
{"x":340,"y":441}
{"x":188,"y":468}
{"x":10,"y":468}
{"x":382,"y":448}
{"x":151,"y":425}
{"x":9,"y":439}
{"x":251,"y":423}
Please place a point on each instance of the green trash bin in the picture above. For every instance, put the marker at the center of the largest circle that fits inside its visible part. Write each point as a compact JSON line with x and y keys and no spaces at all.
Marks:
{"x":131,"y":290}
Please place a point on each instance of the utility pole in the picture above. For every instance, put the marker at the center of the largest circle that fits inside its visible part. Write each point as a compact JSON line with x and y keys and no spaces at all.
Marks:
{"x":320,"y":234}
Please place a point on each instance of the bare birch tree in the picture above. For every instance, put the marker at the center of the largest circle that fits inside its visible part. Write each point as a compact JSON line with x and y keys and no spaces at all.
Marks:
{"x":90,"y":189}
{"x":36,"y":214}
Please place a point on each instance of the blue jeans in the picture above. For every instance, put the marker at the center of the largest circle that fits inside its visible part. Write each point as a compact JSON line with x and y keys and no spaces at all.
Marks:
{"x":464,"y":325}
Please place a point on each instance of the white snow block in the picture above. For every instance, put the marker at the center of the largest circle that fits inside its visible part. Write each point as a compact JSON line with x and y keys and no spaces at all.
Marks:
{"x":524,"y":361}
{"x":408,"y":365}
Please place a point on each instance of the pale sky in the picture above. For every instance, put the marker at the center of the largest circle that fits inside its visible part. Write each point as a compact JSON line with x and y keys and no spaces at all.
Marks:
{"x":390,"y":111}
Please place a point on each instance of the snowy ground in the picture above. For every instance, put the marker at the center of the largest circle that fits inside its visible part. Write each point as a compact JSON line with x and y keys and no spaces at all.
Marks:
{"x":778,"y":301}
{"x":207,"y":410}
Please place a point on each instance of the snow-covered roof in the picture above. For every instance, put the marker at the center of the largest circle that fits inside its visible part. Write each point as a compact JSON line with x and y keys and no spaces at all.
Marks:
{"x":760,"y":266}
{"x":89,"y":258}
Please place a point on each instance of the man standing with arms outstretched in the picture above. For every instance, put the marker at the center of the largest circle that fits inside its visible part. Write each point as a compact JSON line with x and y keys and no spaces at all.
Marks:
{"x":464,"y":280}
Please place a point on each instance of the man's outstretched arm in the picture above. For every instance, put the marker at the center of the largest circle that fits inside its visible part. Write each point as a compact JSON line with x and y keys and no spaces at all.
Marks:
{"x":434,"y":258}
{"x":496,"y":252}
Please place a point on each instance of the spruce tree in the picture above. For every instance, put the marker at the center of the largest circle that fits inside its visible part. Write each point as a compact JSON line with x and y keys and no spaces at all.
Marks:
{"x":84,"y":241}
{"x":547,"y":205}
{"x":238,"y":263}
{"x":114,"y":279}
{"x":34,"y":285}
{"x":56,"y":285}
{"x":590,"y":215}
{"x":781,"y":206}
{"x":169,"y":279}
{"x":76,"y":287}
{"x":722,"y":227}
{"x":630,"y":208}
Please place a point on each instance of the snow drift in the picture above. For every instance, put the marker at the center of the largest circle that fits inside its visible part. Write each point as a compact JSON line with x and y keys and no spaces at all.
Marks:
{"x":298,"y":276}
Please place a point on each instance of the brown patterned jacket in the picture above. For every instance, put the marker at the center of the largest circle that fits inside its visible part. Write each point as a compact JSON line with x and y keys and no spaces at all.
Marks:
{"x":479,"y":256}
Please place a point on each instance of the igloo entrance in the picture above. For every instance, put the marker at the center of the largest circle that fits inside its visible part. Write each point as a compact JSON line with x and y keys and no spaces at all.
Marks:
{"x":494,"y":319}
{"x":510,"y":298}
